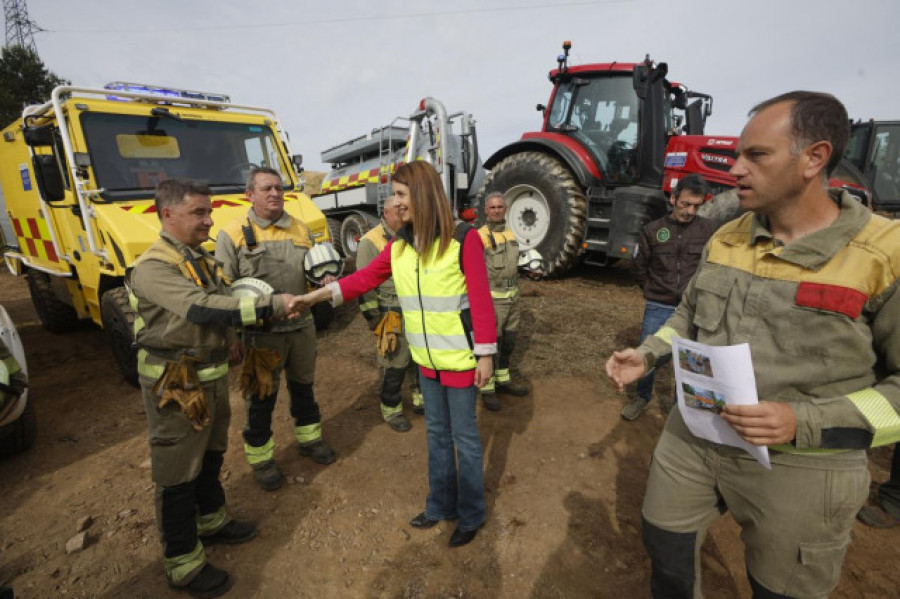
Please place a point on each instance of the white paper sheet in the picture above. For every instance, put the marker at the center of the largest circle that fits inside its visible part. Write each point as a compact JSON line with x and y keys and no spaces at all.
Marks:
{"x":708,"y":377}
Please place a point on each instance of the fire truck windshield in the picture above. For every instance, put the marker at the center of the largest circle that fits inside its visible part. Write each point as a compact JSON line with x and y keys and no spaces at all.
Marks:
{"x":601,"y":112}
{"x":130,"y":154}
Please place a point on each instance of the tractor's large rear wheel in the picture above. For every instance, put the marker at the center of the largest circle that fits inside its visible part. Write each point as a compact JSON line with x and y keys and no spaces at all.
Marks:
{"x":545,"y":206}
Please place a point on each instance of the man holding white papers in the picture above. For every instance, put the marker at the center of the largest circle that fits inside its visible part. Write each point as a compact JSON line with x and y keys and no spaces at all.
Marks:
{"x":809,"y":279}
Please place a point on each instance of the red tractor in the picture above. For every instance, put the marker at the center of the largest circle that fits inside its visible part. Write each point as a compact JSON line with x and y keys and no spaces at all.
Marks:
{"x":610,"y":148}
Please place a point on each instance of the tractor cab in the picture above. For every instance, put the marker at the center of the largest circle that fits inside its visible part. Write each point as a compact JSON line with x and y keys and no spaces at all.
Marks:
{"x":600,"y":111}
{"x":622,"y":114}
{"x":584,"y":186}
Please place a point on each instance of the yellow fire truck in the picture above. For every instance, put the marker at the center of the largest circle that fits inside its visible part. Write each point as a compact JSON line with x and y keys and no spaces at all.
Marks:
{"x":77,"y":177}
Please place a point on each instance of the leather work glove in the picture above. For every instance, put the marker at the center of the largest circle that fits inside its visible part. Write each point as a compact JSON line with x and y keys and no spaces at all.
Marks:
{"x":387,"y":333}
{"x":256,"y":373}
{"x":179,"y":383}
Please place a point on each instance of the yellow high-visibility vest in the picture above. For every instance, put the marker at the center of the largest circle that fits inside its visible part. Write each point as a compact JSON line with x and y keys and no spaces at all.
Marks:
{"x":435,"y":306}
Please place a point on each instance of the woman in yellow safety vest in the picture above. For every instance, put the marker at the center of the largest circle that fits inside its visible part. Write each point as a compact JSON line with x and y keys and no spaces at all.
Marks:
{"x":448,"y":318}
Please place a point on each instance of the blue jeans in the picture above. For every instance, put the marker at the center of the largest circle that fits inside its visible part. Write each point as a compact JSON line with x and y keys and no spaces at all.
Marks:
{"x":655,"y":315}
{"x":450,"y":425}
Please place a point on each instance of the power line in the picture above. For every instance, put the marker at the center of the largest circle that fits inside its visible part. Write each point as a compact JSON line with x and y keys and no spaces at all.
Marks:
{"x":340,"y":20}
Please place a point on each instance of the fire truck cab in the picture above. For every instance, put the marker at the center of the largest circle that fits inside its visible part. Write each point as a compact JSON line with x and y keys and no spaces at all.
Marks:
{"x":77,"y":179}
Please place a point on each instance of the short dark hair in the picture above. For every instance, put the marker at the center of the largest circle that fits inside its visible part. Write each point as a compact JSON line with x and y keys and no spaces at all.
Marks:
{"x":694,"y":184}
{"x":172,"y":192}
{"x":261,"y":170}
{"x":815,"y":116}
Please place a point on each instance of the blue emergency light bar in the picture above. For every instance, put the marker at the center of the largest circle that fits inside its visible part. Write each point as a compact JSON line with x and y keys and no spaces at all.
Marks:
{"x":163,"y":92}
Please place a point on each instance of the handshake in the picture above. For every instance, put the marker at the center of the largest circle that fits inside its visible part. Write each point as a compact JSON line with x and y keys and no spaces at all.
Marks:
{"x":296,"y":305}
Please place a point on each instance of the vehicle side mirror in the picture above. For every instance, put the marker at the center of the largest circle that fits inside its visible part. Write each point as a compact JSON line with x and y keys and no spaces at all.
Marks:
{"x":695,"y":118}
{"x":639,"y":81}
{"x":297,"y":161}
{"x":541,"y":108}
{"x":38,"y":136}
{"x":49,"y":179}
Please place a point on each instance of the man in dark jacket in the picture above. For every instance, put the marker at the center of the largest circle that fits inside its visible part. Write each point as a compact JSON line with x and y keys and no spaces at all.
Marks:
{"x":667,"y":256}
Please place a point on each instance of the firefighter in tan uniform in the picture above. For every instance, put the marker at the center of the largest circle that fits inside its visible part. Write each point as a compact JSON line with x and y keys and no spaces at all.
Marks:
{"x":270,"y":244}
{"x":810,"y":279}
{"x":501,"y":253}
{"x":381,"y":309}
{"x":184,"y":330}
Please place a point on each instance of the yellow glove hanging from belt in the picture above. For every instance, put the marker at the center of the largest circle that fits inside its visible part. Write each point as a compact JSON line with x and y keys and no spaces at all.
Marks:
{"x":387,"y":333}
{"x":179,"y":383}
{"x":256,"y":373}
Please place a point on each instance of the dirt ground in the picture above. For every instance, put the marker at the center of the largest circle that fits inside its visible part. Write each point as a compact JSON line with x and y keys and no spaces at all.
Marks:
{"x":565,"y":477}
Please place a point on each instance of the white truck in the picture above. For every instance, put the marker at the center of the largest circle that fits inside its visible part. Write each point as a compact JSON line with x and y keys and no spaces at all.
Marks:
{"x":353,"y":193}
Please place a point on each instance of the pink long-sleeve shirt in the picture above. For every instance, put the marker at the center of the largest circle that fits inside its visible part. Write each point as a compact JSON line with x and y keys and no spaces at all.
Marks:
{"x":478,"y":289}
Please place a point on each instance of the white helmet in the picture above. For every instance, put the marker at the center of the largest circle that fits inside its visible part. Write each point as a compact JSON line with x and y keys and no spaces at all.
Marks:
{"x":322,"y":260}
{"x":532,"y":264}
{"x":250,"y":287}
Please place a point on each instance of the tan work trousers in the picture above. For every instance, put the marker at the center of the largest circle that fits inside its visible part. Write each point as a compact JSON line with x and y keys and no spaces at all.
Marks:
{"x":176,"y":449}
{"x":795,"y":520}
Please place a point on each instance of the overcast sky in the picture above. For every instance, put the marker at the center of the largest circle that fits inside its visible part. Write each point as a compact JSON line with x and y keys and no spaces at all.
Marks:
{"x":337,"y":69}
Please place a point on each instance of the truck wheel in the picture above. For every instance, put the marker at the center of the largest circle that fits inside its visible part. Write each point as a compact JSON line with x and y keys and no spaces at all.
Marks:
{"x":334,"y":231}
{"x":352,"y":230}
{"x":323,"y":314}
{"x":56,"y":315}
{"x":18,"y":436}
{"x":118,"y":322}
{"x":546,"y":206}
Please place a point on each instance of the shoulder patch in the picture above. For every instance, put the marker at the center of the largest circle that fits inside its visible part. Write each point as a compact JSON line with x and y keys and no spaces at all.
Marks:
{"x":832,"y":298}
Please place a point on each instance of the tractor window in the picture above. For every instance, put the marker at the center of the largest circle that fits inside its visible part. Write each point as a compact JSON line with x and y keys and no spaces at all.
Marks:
{"x":560,"y":107}
{"x":857,"y":146}
{"x":886,"y":162}
{"x":130,"y":154}
{"x":604,"y":118}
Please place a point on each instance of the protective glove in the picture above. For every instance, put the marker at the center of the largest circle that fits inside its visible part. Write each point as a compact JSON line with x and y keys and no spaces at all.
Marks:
{"x":387,"y":333}
{"x":179,"y":383}
{"x":256,"y":373}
